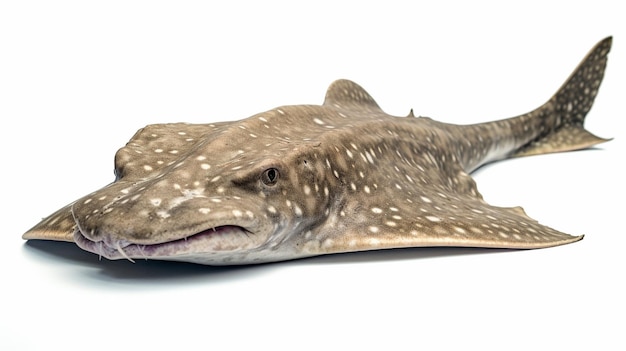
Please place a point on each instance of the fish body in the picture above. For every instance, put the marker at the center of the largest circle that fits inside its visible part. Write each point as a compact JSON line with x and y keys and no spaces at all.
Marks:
{"x":306,"y":180}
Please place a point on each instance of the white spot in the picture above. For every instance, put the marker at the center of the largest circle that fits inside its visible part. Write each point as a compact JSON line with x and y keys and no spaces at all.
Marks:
{"x":376,"y":210}
{"x":237,"y":213}
{"x":318,"y":121}
{"x":297,"y":210}
{"x":373,"y":229}
{"x":327,"y":243}
{"x":306,"y":189}
{"x":373,"y":241}
{"x":201,"y":158}
{"x":163,"y":214}
{"x":349,"y":153}
{"x":425,"y":199}
{"x":433,"y":219}
{"x":271,"y":209}
{"x":366,"y":189}
{"x":204,"y":210}
{"x":205,"y":166}
{"x":390,"y":223}
{"x":158,"y":151}
{"x":87,"y":201}
{"x":215,"y":179}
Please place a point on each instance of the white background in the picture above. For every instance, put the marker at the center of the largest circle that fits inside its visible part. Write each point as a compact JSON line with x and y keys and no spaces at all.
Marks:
{"x":78,"y":78}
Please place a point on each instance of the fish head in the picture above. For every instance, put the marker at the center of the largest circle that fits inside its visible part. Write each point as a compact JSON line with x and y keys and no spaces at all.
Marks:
{"x":226,"y":196}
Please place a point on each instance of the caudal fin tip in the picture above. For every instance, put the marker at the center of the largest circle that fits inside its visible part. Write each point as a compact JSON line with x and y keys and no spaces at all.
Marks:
{"x":604,"y":140}
{"x":594,"y":140}
{"x":607,"y":41}
{"x":606,"y":44}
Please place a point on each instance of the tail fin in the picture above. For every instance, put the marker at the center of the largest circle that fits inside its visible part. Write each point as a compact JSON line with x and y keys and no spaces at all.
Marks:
{"x":564,"y":114}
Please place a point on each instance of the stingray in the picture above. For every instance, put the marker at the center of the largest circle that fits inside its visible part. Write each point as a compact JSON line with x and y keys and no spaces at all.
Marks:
{"x":306,"y":180}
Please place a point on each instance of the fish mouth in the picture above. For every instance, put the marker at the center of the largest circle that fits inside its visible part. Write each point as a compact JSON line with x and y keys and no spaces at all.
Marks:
{"x":223,"y":239}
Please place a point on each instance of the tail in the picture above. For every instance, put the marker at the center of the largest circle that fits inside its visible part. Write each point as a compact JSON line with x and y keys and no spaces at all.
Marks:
{"x":561,"y":119}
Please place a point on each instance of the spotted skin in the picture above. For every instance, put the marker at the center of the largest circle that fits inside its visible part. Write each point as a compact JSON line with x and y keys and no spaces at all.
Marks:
{"x":307,"y":180}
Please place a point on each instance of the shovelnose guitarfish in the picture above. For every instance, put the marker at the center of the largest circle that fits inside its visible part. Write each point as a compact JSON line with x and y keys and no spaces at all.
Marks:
{"x":307,"y":180}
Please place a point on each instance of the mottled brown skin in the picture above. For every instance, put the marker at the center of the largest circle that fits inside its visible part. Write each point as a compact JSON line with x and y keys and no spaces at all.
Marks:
{"x":306,"y":180}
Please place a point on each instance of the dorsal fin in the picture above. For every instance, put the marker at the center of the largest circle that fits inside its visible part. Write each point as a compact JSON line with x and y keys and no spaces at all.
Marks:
{"x":347,"y":94}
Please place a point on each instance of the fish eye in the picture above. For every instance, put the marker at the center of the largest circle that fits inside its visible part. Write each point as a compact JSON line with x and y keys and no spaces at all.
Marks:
{"x":270,"y":176}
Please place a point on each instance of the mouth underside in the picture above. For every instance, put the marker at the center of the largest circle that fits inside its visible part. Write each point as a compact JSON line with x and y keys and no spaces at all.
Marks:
{"x":213,"y":241}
